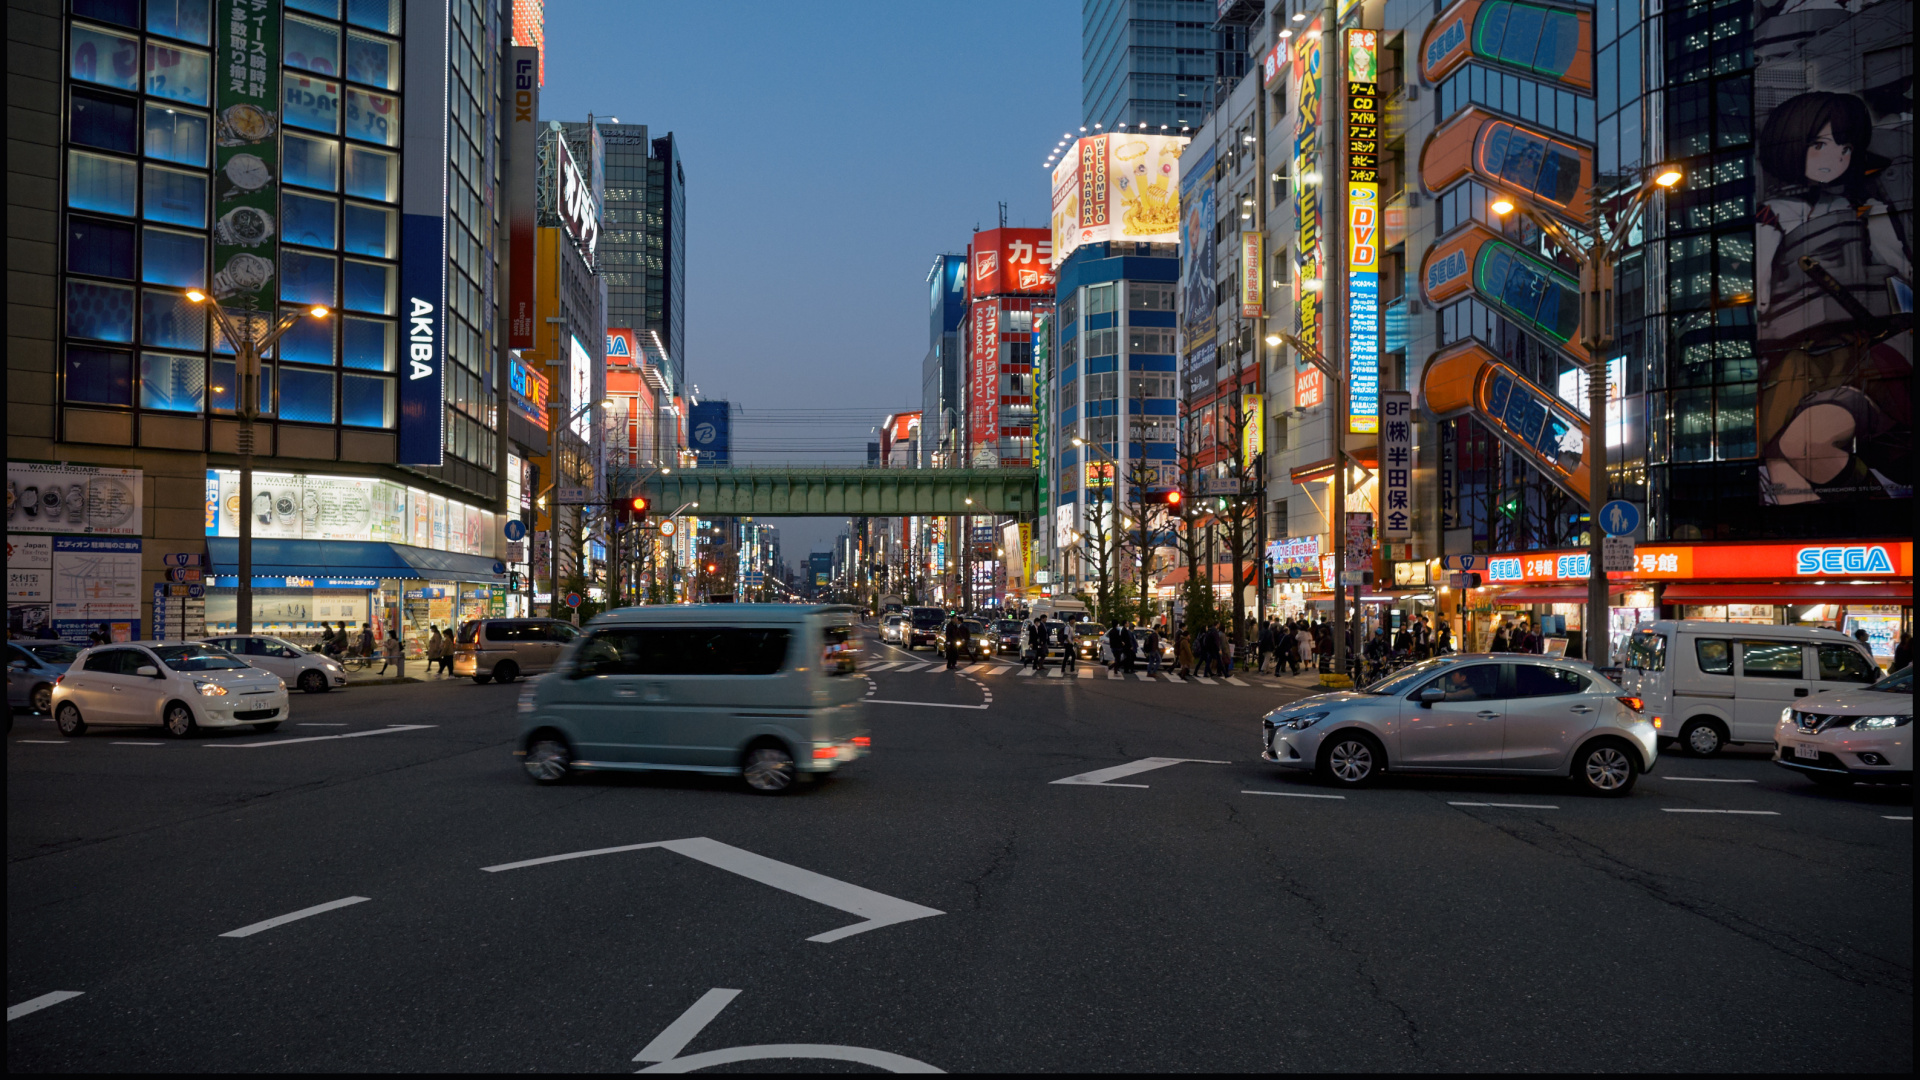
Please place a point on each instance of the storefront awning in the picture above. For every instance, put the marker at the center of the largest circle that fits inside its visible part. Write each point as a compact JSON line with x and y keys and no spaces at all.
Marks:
{"x":347,"y":560}
{"x":1550,"y":594}
{"x":1799,"y":592}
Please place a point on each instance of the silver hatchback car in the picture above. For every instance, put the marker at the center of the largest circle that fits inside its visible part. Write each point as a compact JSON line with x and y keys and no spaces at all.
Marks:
{"x":1495,"y":714}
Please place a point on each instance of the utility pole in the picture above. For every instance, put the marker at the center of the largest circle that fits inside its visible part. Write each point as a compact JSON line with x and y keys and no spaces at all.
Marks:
{"x":1333,"y":287}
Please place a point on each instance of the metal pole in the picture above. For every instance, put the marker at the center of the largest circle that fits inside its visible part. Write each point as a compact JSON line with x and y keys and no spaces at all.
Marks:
{"x":247,"y":363}
{"x":1333,"y":344}
{"x":1598,"y":282}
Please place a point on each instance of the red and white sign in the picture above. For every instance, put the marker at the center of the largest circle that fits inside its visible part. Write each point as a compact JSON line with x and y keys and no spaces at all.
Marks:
{"x":983,"y":386}
{"x":1827,"y":560}
{"x":623,"y":348}
{"x":1012,"y":261}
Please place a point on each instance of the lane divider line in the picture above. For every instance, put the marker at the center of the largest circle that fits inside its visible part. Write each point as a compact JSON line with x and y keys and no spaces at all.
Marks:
{"x":1101,"y":777}
{"x":391,"y":729}
{"x":1508,"y":805}
{"x":294,"y":916}
{"x":924,"y":704}
{"x":1294,"y":794}
{"x":1750,"y":813}
{"x":131,"y":742}
{"x":45,"y":742}
{"x":1896,"y":817}
{"x":34,"y":1005}
{"x":1707,"y":780}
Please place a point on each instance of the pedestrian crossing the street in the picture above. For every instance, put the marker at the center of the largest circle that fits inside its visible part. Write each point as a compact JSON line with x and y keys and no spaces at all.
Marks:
{"x":991,"y":669}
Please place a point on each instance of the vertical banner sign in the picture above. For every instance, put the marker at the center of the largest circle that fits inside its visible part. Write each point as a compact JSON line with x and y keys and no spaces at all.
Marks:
{"x":247,"y":160}
{"x":984,"y":387}
{"x":423,"y":250}
{"x":523,"y":147}
{"x":1253,"y":277}
{"x":1308,"y":82}
{"x":1042,"y":372}
{"x":1363,"y":231}
{"x":1396,"y":464}
{"x":1253,"y":435}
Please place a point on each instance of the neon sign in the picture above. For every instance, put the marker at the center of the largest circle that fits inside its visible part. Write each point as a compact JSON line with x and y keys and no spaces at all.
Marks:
{"x":1843,"y":560}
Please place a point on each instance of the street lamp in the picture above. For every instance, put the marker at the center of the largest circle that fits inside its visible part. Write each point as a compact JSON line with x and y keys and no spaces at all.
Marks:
{"x":1597,"y":272}
{"x":246,"y":365}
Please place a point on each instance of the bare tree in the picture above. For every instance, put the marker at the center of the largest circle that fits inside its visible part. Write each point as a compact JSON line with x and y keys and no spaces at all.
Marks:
{"x":1237,"y":512}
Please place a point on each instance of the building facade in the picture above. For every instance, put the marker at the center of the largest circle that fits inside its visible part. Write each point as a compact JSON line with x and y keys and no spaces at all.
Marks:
{"x":1148,"y":62}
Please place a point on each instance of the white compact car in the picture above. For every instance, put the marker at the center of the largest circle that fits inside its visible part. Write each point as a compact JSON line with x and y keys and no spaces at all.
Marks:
{"x":176,"y":686}
{"x":1842,"y":736}
{"x":304,"y":668}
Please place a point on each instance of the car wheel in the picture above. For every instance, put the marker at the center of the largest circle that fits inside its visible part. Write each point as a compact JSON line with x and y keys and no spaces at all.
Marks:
{"x":1606,"y":768}
{"x":546,"y":760}
{"x":178,"y":720}
{"x":69,"y":722}
{"x":1351,"y":759}
{"x":1830,"y":780}
{"x":769,"y":769}
{"x":42,"y":699}
{"x":506,"y":671}
{"x":483,"y":679}
{"x":313,"y":682}
{"x":1703,"y":737}
{"x":269,"y":726}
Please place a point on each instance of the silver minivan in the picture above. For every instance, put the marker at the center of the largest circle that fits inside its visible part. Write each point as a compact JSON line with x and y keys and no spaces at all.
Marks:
{"x":767,"y":692}
{"x":505,"y":649}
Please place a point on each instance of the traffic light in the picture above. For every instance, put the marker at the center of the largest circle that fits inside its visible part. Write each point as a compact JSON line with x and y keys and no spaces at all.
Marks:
{"x":637,"y":507}
{"x":631,"y":512}
{"x":1510,"y":508}
{"x":1169,"y":499}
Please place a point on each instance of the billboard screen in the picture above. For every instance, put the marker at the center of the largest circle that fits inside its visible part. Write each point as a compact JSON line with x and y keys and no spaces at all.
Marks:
{"x":248,"y":153}
{"x":527,"y":392}
{"x":709,"y":433}
{"x":1117,"y":187}
{"x":579,"y":389}
{"x":1196,"y":251}
{"x":1012,"y":261}
{"x":1363,"y":232}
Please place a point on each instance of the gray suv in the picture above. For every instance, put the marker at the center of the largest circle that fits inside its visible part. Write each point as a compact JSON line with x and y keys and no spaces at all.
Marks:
{"x":506,"y":649}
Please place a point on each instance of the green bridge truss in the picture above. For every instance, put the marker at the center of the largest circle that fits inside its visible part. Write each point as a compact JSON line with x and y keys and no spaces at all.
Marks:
{"x":772,"y":491}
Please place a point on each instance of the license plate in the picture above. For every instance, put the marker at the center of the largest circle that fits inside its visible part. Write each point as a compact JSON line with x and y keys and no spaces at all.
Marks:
{"x":1812,"y":753}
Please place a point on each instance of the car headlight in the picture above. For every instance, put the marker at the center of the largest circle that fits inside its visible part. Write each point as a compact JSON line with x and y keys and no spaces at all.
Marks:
{"x":1879,"y":723}
{"x":1304,"y":720}
{"x":208,"y":689}
{"x":1786,"y":715}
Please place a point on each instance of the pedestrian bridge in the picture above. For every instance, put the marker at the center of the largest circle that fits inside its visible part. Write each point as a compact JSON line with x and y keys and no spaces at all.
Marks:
{"x":796,"y":491}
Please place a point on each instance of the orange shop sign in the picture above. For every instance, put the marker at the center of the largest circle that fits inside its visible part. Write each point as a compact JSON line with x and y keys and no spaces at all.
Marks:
{"x":1803,"y":561}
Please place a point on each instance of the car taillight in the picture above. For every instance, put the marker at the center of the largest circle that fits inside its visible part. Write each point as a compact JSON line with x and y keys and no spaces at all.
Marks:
{"x":863,"y":740}
{"x":1656,"y":723}
{"x":57,"y":678}
{"x":1631,"y":702}
{"x":822,"y":753}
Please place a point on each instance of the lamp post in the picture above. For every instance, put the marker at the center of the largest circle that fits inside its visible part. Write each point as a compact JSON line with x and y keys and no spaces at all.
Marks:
{"x":1596,"y":259}
{"x":246,"y":399}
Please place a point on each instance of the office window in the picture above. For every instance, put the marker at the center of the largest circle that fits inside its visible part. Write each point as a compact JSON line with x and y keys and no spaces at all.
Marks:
{"x":121,"y":12}
{"x":310,"y":46}
{"x":373,"y":174}
{"x":369,"y":287}
{"x":308,"y":341}
{"x":1156,"y":341}
{"x":177,"y":74}
{"x":99,"y":183}
{"x":306,"y":219}
{"x":173,"y":135}
{"x":172,"y":383}
{"x":222,"y":381}
{"x":326,"y":8}
{"x":306,"y":279}
{"x":371,"y":230}
{"x":381,"y":15}
{"x":1100,"y":299}
{"x":366,"y":401}
{"x":100,"y":248}
{"x":1102,"y":342}
{"x":311,"y":104}
{"x":173,"y":258}
{"x":375,"y":61}
{"x":170,"y":321}
{"x":99,"y":376}
{"x":99,"y":311}
{"x":1103,"y":387}
{"x":367,"y":343}
{"x":175,"y":197}
{"x":306,"y":396}
{"x":373,"y":117}
{"x":103,"y":57}
{"x":184,"y":19}
{"x":1142,"y":296}
{"x":311,"y":163}
{"x":102,"y":120}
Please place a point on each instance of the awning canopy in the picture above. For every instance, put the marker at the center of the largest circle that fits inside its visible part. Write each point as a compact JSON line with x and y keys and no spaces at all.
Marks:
{"x":1897,"y":591}
{"x":348,"y":559}
{"x":1551,"y":594}
{"x":1222,"y":575}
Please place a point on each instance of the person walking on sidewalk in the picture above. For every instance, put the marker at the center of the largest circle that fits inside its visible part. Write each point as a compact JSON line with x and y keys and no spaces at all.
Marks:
{"x":390,"y":651}
{"x":365,"y":646}
{"x":446,"y":651}
{"x":434,"y":646}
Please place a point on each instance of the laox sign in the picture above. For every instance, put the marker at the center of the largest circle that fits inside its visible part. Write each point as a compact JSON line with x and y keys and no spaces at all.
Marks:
{"x":1843,"y":560}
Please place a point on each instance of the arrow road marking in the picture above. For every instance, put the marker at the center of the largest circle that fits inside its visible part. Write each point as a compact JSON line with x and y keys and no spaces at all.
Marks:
{"x":878,"y":909}
{"x":1100,"y":777}
{"x":393,"y":729}
{"x":667,"y":1045}
{"x":1294,"y":794}
{"x":34,"y":1005}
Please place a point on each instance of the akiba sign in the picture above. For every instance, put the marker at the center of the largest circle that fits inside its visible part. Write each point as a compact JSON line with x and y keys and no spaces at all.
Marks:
{"x":423,"y":253}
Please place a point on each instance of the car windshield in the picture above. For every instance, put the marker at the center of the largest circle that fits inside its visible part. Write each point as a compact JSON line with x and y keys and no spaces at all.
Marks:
{"x":928,"y":617}
{"x":1088,"y":629}
{"x":1900,"y":682}
{"x":195,"y":658}
{"x":53,"y":652}
{"x":974,"y":627}
{"x":1008,"y":626}
{"x":1405,"y":678}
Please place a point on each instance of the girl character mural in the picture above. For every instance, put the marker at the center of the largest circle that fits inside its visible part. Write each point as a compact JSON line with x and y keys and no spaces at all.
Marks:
{"x":1833,"y":276}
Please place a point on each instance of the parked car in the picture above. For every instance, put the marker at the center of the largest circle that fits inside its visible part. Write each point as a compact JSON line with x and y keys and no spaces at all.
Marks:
{"x":761,"y":691}
{"x":893,"y":629}
{"x":505,"y":649}
{"x":312,"y":672}
{"x":176,"y":686}
{"x":927,"y":627}
{"x":1476,"y":713}
{"x":33,"y":667}
{"x":1843,"y":736}
{"x":1708,"y":684}
{"x":1009,"y":637}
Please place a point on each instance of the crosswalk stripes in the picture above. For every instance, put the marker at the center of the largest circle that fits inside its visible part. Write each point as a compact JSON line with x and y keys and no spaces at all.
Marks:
{"x":1204,"y":679}
{"x":1235,"y":681}
{"x":1002,"y":670}
{"x":1027,"y":671}
{"x":884,"y":665}
{"x":1171,"y":677}
{"x":997,"y":667}
{"x":1055,"y":673}
{"x":1143,"y":676}
{"x":977,"y":669}
{"x":916,"y":666}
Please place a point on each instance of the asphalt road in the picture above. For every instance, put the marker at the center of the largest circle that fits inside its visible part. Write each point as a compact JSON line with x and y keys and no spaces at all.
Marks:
{"x":1208,"y":918}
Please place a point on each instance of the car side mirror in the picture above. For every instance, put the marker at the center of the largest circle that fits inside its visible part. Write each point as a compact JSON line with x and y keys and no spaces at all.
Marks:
{"x":1430,"y":695}
{"x":148,"y":670}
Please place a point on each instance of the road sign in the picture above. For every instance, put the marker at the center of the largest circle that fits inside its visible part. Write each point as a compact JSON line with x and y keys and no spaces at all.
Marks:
{"x":515,"y":529}
{"x":667,"y":527}
{"x":517,"y":551}
{"x":184,"y":559}
{"x":184,"y":573}
{"x":1620,"y":518}
{"x":570,"y":496}
{"x":195,"y":592}
{"x":573,"y":599}
{"x":499,"y":567}
{"x":1616,"y":552}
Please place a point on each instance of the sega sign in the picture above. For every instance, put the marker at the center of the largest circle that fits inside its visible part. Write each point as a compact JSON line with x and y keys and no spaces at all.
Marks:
{"x":1861,"y":559}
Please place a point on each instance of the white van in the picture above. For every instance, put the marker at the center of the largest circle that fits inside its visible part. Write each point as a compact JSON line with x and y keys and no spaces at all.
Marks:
{"x":1707,"y":684}
{"x":1065,"y":609}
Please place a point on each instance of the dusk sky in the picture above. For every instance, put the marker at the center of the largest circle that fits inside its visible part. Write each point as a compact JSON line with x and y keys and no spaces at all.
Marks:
{"x":831,"y":151}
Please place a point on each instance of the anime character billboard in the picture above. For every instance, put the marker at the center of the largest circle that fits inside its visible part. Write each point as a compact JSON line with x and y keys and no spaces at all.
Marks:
{"x":1833,"y":254}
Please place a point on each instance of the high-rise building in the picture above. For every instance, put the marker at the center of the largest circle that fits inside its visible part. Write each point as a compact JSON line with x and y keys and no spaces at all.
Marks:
{"x":1149,"y":62}
{"x":940,"y":372}
{"x":643,"y":256}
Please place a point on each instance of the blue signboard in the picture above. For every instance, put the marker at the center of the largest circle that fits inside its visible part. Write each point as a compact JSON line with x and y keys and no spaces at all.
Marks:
{"x":423,"y":238}
{"x":516,"y":530}
{"x":708,"y":433}
{"x":1620,"y":518}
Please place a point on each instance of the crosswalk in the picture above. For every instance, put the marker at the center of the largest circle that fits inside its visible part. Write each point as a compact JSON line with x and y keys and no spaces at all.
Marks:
{"x":1083,"y":671}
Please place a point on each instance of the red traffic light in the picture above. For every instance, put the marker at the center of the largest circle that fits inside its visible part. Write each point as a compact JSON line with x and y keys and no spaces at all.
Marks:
{"x":638,"y":504}
{"x":1173,"y":498}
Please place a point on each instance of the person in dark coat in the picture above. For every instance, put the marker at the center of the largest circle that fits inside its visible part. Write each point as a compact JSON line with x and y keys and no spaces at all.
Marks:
{"x":956,"y":637}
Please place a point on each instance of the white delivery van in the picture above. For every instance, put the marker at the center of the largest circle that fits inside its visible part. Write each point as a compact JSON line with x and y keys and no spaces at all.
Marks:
{"x":1065,"y":609}
{"x":1707,"y":684}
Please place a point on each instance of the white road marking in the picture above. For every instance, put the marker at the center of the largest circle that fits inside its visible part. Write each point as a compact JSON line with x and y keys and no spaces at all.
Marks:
{"x":1171,"y":677}
{"x":1708,"y":780}
{"x":44,"y":742}
{"x":1753,"y":813}
{"x":1001,"y":670}
{"x":130,"y":742}
{"x":879,"y":1059}
{"x":674,"y":1038}
{"x":319,"y":725}
{"x":1100,"y":777}
{"x":879,"y":909}
{"x":884,"y":665}
{"x":915,"y":665}
{"x":1143,"y":676}
{"x":1056,"y":673}
{"x":1026,"y":672}
{"x":1893,"y":817}
{"x":392,"y":729}
{"x":977,"y":668}
{"x":926,"y":704}
{"x":1235,"y":681}
{"x":1508,"y":805}
{"x":34,"y":1005}
{"x":294,"y":916}
{"x":1204,"y":679}
{"x":1294,"y":794}
{"x":1085,"y":672}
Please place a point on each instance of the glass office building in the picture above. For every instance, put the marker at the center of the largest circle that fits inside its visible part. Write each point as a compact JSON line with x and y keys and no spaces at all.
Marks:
{"x":1147,"y":61}
{"x":642,"y":253}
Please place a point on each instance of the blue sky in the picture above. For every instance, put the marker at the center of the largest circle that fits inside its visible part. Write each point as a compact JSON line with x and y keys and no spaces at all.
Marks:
{"x":831,"y":151}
